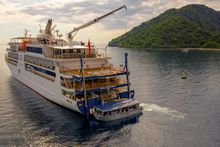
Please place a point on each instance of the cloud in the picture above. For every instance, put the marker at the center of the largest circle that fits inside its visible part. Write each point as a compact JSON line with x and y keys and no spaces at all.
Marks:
{"x":70,"y":13}
{"x":80,"y":11}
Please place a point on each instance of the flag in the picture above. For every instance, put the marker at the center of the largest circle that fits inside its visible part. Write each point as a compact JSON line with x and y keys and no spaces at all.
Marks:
{"x":89,"y":46}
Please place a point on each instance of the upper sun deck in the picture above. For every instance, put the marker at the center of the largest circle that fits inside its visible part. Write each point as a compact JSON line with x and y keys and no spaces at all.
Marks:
{"x":19,"y":43}
{"x":58,"y":50}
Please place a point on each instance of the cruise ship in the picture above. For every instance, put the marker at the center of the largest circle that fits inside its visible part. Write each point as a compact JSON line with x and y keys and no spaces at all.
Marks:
{"x":73,"y":74}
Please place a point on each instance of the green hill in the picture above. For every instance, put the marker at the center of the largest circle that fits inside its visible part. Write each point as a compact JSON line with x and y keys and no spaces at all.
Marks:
{"x":193,"y":26}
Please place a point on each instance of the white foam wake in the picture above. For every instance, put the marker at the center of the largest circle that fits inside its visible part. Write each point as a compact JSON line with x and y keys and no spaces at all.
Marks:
{"x":163,"y":110}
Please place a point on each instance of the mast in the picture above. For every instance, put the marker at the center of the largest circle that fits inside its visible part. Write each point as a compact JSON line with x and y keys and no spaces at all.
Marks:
{"x":75,"y":30}
{"x":127,"y":73}
{"x":84,"y":86}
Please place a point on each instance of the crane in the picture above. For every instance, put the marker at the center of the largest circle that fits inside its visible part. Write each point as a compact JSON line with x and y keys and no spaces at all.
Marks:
{"x":75,"y":30}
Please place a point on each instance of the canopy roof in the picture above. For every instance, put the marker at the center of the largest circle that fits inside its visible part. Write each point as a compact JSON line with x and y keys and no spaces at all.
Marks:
{"x":23,"y":38}
{"x":67,"y":47}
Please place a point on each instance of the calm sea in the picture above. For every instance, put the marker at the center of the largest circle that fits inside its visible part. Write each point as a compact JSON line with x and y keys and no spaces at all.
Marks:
{"x":177,"y":113}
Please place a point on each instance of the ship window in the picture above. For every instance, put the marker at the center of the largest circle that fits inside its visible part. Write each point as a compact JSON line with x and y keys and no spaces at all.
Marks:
{"x":58,"y":52}
{"x":34,"y":50}
{"x":55,"y":51}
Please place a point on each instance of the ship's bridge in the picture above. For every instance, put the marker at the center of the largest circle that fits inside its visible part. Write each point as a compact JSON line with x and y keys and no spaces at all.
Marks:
{"x":71,"y":52}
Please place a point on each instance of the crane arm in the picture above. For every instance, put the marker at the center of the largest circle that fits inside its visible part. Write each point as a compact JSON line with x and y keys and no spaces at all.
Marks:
{"x":95,"y":20}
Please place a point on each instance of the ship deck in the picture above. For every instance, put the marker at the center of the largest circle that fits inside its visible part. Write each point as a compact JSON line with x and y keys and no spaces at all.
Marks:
{"x":95,"y":72}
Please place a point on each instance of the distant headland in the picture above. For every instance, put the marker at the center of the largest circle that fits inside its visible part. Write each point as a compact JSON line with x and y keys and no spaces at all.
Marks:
{"x":192,"y":26}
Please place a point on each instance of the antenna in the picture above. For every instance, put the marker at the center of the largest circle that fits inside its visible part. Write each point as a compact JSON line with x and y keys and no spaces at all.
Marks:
{"x":26,"y":32}
{"x":58,"y":35}
{"x":40,"y":31}
{"x":57,"y":31}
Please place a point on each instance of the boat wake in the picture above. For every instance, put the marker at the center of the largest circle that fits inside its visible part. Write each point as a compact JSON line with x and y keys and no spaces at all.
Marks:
{"x":162,"y":110}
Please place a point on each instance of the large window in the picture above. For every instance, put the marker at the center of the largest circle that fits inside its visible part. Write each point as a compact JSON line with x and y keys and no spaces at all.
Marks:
{"x":35,"y":50}
{"x":50,"y":73}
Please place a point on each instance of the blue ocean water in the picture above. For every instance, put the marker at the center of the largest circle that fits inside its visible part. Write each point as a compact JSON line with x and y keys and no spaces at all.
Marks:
{"x":177,"y":112}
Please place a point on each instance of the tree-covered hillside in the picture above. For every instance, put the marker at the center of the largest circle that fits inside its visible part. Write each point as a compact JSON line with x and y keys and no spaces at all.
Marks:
{"x":193,"y":26}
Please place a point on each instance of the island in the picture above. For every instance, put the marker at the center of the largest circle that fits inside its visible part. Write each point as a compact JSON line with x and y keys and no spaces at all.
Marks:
{"x":192,"y":26}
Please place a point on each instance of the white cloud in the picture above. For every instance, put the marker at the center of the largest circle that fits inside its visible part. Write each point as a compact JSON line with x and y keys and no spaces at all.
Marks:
{"x":70,"y":13}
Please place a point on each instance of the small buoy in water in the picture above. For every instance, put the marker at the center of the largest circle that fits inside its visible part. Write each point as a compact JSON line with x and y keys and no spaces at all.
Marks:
{"x":184,"y":77}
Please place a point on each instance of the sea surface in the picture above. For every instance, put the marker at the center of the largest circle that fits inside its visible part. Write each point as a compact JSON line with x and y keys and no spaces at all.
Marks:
{"x":177,"y":112}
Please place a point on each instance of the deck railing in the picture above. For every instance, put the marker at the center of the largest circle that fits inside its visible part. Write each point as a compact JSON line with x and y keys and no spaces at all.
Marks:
{"x":95,"y":53}
{"x":72,"y":56}
{"x":91,"y":85}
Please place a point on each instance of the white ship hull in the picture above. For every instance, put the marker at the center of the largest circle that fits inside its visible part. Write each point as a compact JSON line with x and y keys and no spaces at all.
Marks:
{"x":71,"y":74}
{"x":48,"y":89}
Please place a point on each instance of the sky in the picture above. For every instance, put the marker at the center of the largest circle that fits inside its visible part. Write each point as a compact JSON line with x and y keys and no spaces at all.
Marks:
{"x":17,"y":15}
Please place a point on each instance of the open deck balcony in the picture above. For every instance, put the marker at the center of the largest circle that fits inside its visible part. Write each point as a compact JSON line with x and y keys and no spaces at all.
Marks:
{"x":92,"y":84}
{"x":94,"y":73}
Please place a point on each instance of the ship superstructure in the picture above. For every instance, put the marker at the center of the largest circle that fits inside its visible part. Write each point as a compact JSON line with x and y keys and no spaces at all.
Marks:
{"x":73,"y":74}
